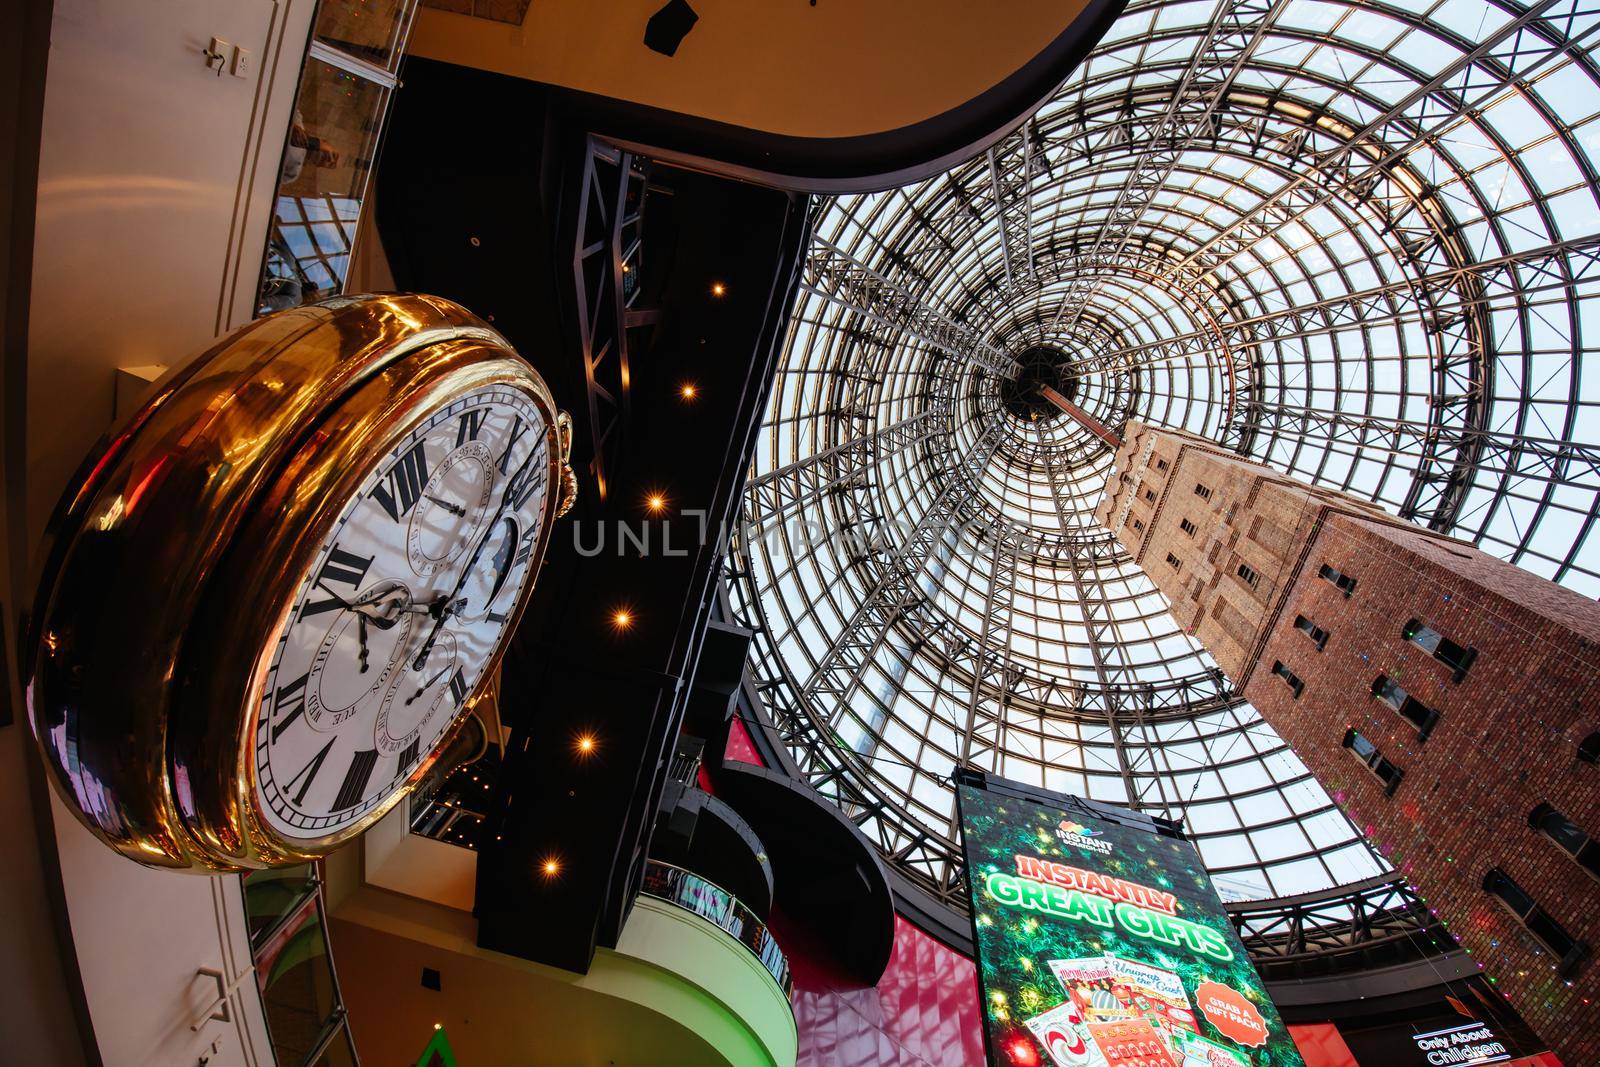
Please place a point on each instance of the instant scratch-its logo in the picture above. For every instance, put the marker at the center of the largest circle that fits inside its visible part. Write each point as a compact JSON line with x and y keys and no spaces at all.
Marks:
{"x":1080,"y":836}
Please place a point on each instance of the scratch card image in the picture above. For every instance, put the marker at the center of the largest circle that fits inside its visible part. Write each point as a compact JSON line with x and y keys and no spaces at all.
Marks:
{"x":1065,"y":1038}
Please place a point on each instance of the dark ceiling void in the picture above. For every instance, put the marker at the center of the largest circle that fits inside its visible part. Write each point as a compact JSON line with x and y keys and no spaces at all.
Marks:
{"x":828,"y":882}
{"x":667,"y":28}
{"x":689,"y":287}
{"x":1041,"y":365}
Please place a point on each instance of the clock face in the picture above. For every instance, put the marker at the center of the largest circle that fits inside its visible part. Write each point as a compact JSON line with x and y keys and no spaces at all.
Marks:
{"x":402,"y":610}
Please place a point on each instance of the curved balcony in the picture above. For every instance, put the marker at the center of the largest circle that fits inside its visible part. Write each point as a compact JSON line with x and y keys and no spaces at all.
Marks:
{"x":721,"y":908}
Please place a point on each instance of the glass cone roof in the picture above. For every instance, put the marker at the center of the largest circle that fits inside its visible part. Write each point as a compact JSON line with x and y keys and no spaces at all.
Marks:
{"x":1355,"y":241}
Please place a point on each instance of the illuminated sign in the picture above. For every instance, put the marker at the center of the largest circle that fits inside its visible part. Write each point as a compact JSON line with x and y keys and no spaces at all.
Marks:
{"x":1461,"y":1046}
{"x":438,"y":1053}
{"x":1104,"y":945}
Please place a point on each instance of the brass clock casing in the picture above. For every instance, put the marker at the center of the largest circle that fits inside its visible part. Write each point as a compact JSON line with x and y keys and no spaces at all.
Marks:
{"x":177,"y":553}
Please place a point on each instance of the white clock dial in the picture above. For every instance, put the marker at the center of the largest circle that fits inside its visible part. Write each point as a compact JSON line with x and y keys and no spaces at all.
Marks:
{"x":401,"y":612}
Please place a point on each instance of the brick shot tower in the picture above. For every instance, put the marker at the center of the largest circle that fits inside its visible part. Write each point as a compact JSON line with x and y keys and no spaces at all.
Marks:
{"x":1448,"y":701}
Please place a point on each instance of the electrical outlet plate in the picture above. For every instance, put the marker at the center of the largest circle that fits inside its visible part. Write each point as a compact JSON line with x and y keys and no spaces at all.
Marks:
{"x":244,"y":62}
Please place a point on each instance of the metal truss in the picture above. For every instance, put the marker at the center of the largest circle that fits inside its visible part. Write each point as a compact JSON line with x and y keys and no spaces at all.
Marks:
{"x":1236,"y":30}
{"x":1013,"y":164}
{"x":897,"y":592}
{"x":990,"y":661}
{"x":1508,"y":455}
{"x":1538,"y":35}
{"x":607,"y":261}
{"x":834,"y":275}
{"x":778,"y":495}
{"x":1122,"y":707}
{"x":1379,"y":922}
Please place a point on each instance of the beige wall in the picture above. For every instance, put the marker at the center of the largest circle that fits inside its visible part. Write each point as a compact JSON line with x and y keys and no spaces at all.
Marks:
{"x":829,"y":70}
{"x":155,"y":177}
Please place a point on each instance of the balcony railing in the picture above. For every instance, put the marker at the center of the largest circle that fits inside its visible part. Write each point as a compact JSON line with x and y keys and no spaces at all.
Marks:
{"x":719,"y":907}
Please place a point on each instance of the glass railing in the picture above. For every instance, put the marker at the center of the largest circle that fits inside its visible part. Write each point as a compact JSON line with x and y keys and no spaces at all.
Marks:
{"x":294,"y":969}
{"x":721,"y":908}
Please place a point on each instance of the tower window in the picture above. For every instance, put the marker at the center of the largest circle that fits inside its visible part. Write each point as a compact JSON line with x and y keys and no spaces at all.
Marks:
{"x":1251,"y":578}
{"x":1138,"y":526}
{"x":1290,"y":679}
{"x":1187,"y":527}
{"x":1344,"y":582}
{"x":1318,"y":635}
{"x":1441,"y":648}
{"x":1161,"y":464}
{"x":1589,"y":748}
{"x":1174,"y":561}
{"x":1570,"y":952}
{"x":1368,"y":753}
{"x":1567,"y":834}
{"x":1150,"y":494}
{"x":1202,"y":491}
{"x":1414,"y":711}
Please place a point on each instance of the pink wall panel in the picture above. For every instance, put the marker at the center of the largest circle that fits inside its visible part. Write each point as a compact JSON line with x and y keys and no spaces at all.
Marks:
{"x":740,"y":748}
{"x":1321,"y":1046}
{"x":922,"y":1013}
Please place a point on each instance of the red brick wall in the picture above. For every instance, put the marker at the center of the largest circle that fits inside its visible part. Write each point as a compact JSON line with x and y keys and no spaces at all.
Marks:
{"x":1506,"y":741}
{"x":1509,"y":731}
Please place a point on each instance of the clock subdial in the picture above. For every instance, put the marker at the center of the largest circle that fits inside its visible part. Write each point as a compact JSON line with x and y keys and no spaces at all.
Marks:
{"x":373,"y":632}
{"x":414,"y":697}
{"x":451,"y":509}
{"x":490,"y":590}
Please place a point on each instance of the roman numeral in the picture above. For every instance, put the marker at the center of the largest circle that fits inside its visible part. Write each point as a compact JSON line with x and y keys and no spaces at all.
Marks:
{"x":525,"y":549}
{"x":523,"y":485}
{"x":345,"y":568}
{"x":495,"y":616}
{"x":309,"y":773}
{"x":518,"y":428}
{"x":354,"y":785}
{"x":401,"y":487}
{"x":471,"y":422}
{"x":292,"y":697}
{"x":408,"y":757}
{"x":458,"y":687}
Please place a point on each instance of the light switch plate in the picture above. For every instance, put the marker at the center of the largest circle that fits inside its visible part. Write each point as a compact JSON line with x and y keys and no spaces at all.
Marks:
{"x":217,"y":54}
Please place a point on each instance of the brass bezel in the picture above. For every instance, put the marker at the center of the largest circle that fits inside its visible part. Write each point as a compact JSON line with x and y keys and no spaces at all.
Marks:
{"x":218,"y":491}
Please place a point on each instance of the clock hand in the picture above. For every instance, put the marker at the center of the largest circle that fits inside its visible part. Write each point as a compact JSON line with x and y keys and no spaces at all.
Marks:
{"x":439,"y":605}
{"x":361,"y":624}
{"x":384,"y":611}
{"x":454,"y":509}
{"x":505,"y":497}
{"x":429,"y":684}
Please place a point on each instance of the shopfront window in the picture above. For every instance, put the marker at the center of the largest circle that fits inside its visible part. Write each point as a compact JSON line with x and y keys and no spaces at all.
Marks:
{"x":343,"y":97}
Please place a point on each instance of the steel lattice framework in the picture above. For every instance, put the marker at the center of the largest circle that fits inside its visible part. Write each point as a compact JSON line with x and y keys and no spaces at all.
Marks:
{"x":1357,"y":241}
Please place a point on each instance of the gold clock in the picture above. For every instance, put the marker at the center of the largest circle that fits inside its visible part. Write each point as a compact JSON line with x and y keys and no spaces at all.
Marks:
{"x":271,"y":596}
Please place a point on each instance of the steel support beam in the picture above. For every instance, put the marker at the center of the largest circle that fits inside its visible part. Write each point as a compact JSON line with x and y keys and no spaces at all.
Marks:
{"x":790,"y":490}
{"x":1081,"y":417}
{"x":832,"y":274}
{"x":1416,"y":118}
{"x":1236,"y":31}
{"x":897,"y":591}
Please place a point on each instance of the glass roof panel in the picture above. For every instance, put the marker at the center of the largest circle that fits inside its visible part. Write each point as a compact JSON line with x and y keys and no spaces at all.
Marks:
{"x":1345,"y":240}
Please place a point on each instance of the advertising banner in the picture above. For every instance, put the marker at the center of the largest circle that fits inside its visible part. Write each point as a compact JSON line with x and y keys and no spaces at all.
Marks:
{"x":1104,"y":945}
